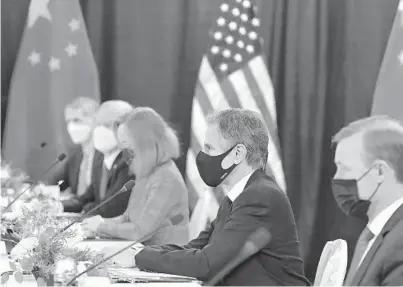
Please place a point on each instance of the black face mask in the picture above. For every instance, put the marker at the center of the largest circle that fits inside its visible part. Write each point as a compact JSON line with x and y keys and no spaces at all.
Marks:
{"x":210,"y":169}
{"x":345,"y":192}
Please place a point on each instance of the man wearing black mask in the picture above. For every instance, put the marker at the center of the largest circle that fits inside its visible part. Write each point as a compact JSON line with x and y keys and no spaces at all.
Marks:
{"x":233,"y":156}
{"x":369,"y":184}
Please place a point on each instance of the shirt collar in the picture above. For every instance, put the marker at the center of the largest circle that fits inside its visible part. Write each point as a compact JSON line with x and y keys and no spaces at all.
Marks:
{"x":110,"y":159}
{"x":237,"y":189}
{"x":88,"y":148}
{"x":377,"y":224}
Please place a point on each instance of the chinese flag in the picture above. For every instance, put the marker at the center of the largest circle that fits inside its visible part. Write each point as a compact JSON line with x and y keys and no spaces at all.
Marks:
{"x":54,"y":65}
{"x":388,"y":98}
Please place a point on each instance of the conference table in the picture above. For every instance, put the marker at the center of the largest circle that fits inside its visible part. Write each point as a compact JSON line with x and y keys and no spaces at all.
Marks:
{"x":98,"y":245}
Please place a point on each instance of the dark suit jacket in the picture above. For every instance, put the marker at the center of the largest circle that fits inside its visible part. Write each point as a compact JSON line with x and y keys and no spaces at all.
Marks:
{"x":261,"y":204}
{"x":118,"y":176}
{"x":69,"y":172}
{"x":383,"y":264}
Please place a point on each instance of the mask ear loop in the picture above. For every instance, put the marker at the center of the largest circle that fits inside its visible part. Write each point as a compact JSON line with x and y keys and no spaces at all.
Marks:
{"x":365,"y":173}
{"x":377,"y":188}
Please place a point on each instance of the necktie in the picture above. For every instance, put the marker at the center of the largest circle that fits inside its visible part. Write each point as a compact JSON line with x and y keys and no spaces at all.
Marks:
{"x":226,"y":206}
{"x":104,"y":182}
{"x":361,"y":246}
{"x":82,"y":176}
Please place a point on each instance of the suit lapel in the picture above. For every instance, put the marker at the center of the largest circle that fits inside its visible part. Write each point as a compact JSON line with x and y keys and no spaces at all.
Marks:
{"x":396,"y":217}
{"x":117,"y":164}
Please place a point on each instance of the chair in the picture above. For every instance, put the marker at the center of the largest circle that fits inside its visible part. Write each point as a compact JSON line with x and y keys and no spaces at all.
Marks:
{"x":332,"y":264}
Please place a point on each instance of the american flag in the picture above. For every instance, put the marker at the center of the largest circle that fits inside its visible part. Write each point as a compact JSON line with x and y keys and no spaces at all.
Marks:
{"x":388,"y":97}
{"x":233,"y":74}
{"x":54,"y":66}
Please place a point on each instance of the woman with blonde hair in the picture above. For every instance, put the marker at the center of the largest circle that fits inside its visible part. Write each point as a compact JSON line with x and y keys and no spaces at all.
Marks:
{"x":159,"y":200}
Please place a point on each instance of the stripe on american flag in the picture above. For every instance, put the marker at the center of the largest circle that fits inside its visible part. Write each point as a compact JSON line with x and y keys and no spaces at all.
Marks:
{"x":203,"y":99}
{"x":211,"y":86}
{"x":199,"y":124}
{"x":262,"y":104}
{"x":260,"y":73}
{"x":230,"y":93}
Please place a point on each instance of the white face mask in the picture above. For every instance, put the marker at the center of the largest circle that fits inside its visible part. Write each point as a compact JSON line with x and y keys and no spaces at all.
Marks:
{"x":79,"y":132}
{"x":104,"y":139}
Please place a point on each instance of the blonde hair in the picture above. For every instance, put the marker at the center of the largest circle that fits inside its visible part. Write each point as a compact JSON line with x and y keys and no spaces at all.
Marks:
{"x":88,"y":107}
{"x":153,"y":141}
{"x":382,"y":139}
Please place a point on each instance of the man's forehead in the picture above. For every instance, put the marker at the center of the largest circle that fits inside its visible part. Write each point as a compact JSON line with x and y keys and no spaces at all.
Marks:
{"x":211,"y":135}
{"x":349,"y":150}
{"x":214,"y":138}
{"x":74,"y":114}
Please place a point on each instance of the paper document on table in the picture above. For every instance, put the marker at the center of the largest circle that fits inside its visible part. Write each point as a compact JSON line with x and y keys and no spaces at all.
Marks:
{"x":133,"y":275}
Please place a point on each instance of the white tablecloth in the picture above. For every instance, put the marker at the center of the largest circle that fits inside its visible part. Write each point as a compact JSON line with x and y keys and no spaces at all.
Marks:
{"x":29,"y":281}
{"x":96,"y":245}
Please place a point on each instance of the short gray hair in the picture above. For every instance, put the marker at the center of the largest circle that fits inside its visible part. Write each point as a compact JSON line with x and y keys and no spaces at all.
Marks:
{"x":113,"y":111}
{"x":153,"y":141}
{"x":382,"y":139}
{"x":241,"y":126}
{"x":88,"y":107}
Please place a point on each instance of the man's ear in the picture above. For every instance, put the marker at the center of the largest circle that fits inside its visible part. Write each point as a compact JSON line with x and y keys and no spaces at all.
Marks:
{"x":240,"y":153}
{"x":383,"y":168}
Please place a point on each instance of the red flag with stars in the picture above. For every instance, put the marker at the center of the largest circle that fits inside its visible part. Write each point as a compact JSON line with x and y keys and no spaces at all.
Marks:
{"x":388,"y":98}
{"x":54,"y":65}
{"x":233,"y":74}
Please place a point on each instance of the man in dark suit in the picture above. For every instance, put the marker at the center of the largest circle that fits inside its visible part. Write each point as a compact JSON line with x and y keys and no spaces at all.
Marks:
{"x":369,"y":184}
{"x":111,"y":171}
{"x":75,"y":174}
{"x":234,"y":156}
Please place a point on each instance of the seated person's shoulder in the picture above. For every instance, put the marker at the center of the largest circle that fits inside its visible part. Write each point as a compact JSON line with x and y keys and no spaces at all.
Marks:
{"x":393,"y":237}
{"x":168,"y":175}
{"x":167,"y":170}
{"x":265,"y":188}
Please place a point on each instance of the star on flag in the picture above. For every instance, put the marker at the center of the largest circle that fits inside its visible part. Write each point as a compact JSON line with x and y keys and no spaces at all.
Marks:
{"x":74,"y":25}
{"x":34,"y":58}
{"x":71,"y":50}
{"x":54,"y":64}
{"x":38,"y":9}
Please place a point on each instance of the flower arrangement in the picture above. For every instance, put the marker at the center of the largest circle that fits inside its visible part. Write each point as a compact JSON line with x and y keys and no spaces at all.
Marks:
{"x":32,"y":221}
{"x":12,"y":179}
{"x":37,"y":250}
{"x":38,"y":254}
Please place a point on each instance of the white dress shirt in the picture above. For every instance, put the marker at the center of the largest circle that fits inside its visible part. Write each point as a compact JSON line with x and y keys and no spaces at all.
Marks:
{"x":84,"y":175}
{"x":237,"y":189}
{"x":378,"y":223}
{"x":110,"y":159}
